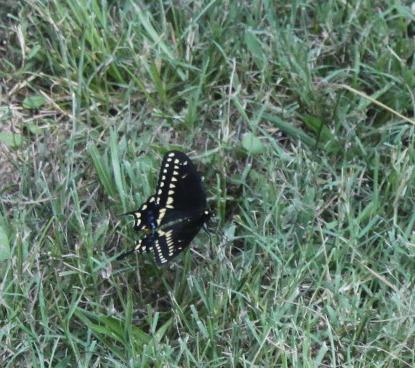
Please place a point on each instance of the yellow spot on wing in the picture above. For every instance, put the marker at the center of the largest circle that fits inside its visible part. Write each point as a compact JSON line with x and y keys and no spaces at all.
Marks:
{"x":139,"y":245}
{"x":160,"y":218}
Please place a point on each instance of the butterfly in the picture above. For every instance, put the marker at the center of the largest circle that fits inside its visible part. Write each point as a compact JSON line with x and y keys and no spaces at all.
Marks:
{"x":172,"y":217}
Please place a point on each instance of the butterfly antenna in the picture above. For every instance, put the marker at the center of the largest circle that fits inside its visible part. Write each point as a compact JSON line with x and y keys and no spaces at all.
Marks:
{"x":125,"y":254}
{"x":131,"y":213}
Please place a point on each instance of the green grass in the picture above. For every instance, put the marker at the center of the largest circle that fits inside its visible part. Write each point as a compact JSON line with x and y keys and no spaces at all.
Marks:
{"x":300,"y":116}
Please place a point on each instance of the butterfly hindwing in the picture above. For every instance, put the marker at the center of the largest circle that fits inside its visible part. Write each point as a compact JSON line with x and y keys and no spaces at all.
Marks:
{"x":168,"y":242}
{"x":161,"y":244}
{"x":183,"y":232}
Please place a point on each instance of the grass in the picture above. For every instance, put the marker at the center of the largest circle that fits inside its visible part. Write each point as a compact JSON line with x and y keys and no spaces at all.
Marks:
{"x":300,"y":116}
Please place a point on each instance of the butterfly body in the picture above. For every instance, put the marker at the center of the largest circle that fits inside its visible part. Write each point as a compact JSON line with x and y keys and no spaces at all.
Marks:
{"x":173,"y":216}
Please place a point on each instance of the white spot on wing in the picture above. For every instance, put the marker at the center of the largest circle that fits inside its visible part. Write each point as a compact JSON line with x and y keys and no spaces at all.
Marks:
{"x":171,"y":154}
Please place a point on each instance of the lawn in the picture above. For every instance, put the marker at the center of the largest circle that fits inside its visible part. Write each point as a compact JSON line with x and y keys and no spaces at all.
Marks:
{"x":299,"y":115}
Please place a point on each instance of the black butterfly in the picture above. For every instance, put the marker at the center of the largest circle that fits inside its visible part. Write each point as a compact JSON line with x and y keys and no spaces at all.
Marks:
{"x":173,"y":216}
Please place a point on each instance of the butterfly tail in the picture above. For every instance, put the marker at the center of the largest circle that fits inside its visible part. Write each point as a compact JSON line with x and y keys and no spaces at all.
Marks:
{"x":139,"y":248}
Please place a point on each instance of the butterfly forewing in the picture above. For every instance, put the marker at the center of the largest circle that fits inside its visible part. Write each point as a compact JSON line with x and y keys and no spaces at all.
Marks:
{"x":179,"y":186}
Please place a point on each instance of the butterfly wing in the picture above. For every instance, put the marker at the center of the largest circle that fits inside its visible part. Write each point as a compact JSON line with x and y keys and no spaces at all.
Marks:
{"x":179,"y":186}
{"x":179,"y":235}
{"x":168,"y":242}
